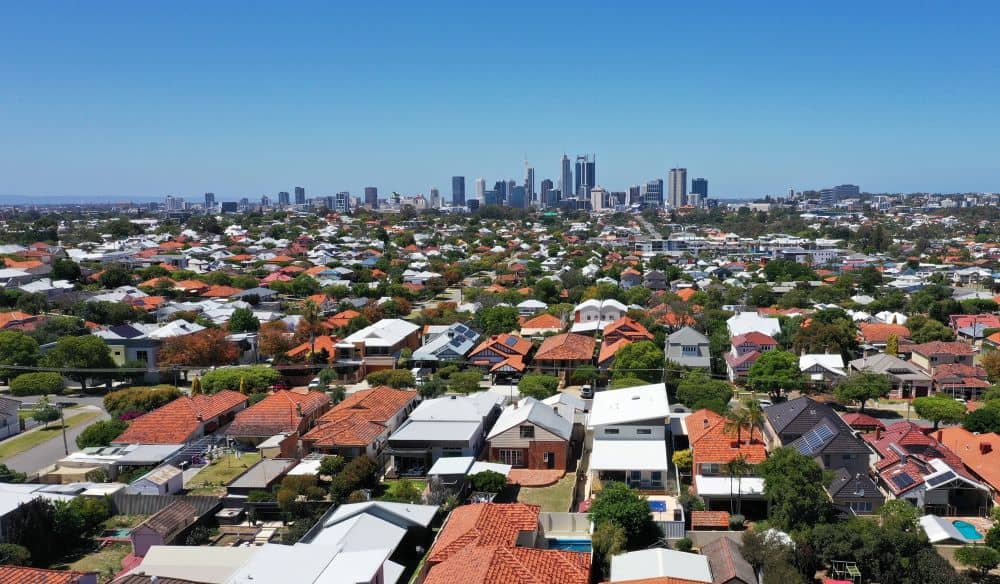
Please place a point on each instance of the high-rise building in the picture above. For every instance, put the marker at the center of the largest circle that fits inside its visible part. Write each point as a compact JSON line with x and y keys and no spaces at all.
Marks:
{"x":491,"y":198}
{"x":230,"y":207}
{"x":283,"y":198}
{"x":545,"y":194}
{"x":265,"y":201}
{"x":842,"y":192}
{"x":458,"y":191}
{"x":511,"y":183}
{"x":586,"y":176}
{"x":435,"y":198}
{"x":634,"y":195}
{"x":678,"y":187}
{"x":371,"y":197}
{"x":652,"y":195}
{"x":566,"y":177}
{"x":300,"y":196}
{"x":209,"y":200}
{"x":699,"y":186}
{"x":342,"y":202}
{"x":480,"y":188}
{"x":500,"y":189}
{"x":244,"y":204}
{"x":518,"y":198}
{"x":598,"y":198}
{"x":529,"y":183}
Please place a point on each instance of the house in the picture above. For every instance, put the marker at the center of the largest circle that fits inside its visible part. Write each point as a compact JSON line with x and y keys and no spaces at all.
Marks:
{"x":162,"y":480}
{"x":714,"y":444}
{"x":530,"y":434}
{"x":361,"y":424}
{"x":660,"y":565}
{"x":531,"y":307}
{"x":822,"y":368}
{"x":862,"y":422}
{"x":725,"y":559}
{"x":878,"y":334}
{"x":917,"y":468}
{"x":281,"y":412}
{"x":929,"y":356}
{"x":655,"y":280}
{"x":163,"y":527}
{"x":592,"y":315}
{"x":500,"y":351}
{"x":907,"y":380}
{"x":750,"y":322}
{"x":744,"y":352}
{"x":541,"y":325}
{"x":625,"y":328}
{"x":606,"y":356}
{"x":565,"y":351}
{"x":489,"y":543}
{"x":688,"y":348}
{"x":445,"y":343}
{"x":960,"y":380}
{"x":629,"y":436}
{"x":630,"y":277}
{"x":375,"y":347}
{"x":261,"y":476}
{"x":978,"y":453}
{"x":10,"y":421}
{"x":445,"y":426}
{"x":26,"y":575}
{"x":185,"y":419}
{"x":18,"y":320}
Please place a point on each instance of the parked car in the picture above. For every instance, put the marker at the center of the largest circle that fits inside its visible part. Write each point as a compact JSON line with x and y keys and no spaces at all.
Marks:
{"x":587,"y":391}
{"x":315,"y":383}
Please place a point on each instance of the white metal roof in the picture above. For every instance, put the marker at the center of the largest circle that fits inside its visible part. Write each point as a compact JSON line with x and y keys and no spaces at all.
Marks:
{"x":722,"y":485}
{"x":620,"y":406}
{"x":629,"y":455}
{"x":660,"y":563}
{"x":939,"y":529}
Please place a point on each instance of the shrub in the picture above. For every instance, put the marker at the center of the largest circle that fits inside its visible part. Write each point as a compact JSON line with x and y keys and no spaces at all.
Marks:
{"x":9,"y":475}
{"x":256,"y":379}
{"x":395,"y":378}
{"x":139,"y":399}
{"x":736,"y":522}
{"x":37,"y":383}
{"x":538,"y":385}
{"x":101,"y":433}
{"x":684,"y":544}
{"x":14,"y":555}
{"x":489,"y":481}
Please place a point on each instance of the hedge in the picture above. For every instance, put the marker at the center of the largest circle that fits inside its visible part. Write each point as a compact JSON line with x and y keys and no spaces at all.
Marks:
{"x":257,"y":378}
{"x":38,"y":383}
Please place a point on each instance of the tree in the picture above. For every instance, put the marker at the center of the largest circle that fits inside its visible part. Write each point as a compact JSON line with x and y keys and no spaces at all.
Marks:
{"x":312,"y":319}
{"x":775,"y":372}
{"x":274,"y":339}
{"x":12,"y":554}
{"x":16,"y":348}
{"x":196,"y":386}
{"x":80,"y":354}
{"x":583,"y":374}
{"x":101,"y":433}
{"x":330,"y":466}
{"x":836,"y":335}
{"x":984,"y":420}
{"x":861,"y":387}
{"x":497,"y":319}
{"x":45,"y":412}
{"x":697,"y":390}
{"x":683,"y":460}
{"x":55,"y":327}
{"x":115,"y":275}
{"x":9,"y":475}
{"x":737,"y":468}
{"x":892,"y":344}
{"x":764,"y":549}
{"x":794,"y":487}
{"x":432,"y":388}
{"x":928,"y":567}
{"x":760,"y":295}
{"x":990,"y":361}
{"x":939,"y":408}
{"x":395,"y":378}
{"x":643,"y":360}
{"x":65,"y":269}
{"x":621,"y":505}
{"x":464,"y":382}
{"x":404,"y":491}
{"x":489,"y":481}
{"x":36,"y":383}
{"x":623,"y":382}
{"x":243,"y":321}
{"x":899,"y":515}
{"x":607,"y":541}
{"x":978,"y":557}
{"x":254,"y":378}
{"x":538,"y":385}
{"x":207,"y":348}
{"x":139,"y":399}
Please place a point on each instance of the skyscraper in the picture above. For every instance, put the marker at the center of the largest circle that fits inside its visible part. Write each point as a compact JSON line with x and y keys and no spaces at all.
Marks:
{"x":652,"y":195}
{"x":435,"y":198}
{"x":511,"y":183}
{"x":529,"y":183}
{"x":209,"y":200}
{"x":518,"y":198}
{"x":598,"y":198}
{"x":586,"y":176}
{"x":458,"y":191}
{"x":841,"y":192}
{"x":371,"y":197}
{"x":480,"y":189}
{"x":678,"y":187}
{"x":342,"y":203}
{"x":500,"y":188}
{"x":283,"y":198}
{"x":699,"y":186}
{"x":545,"y":194}
{"x":300,"y":196}
{"x":634,"y":195}
{"x":566,"y":178}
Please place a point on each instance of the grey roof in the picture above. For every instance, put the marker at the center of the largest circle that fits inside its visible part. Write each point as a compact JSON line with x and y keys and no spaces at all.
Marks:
{"x":689,"y":337}
{"x":816,"y":426}
{"x":457,"y":339}
{"x":262,"y":474}
{"x":8,"y":406}
{"x":848,"y":485}
{"x":726,"y":560}
{"x":258,"y":292}
{"x":530,"y":410}
{"x":890,"y":365}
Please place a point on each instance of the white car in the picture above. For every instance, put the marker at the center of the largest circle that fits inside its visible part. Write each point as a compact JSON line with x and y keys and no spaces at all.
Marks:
{"x":315,"y":383}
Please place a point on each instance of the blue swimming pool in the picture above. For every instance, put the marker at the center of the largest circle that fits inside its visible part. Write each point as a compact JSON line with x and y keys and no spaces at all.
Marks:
{"x":967,"y":529}
{"x":658,"y":506}
{"x":570,"y":545}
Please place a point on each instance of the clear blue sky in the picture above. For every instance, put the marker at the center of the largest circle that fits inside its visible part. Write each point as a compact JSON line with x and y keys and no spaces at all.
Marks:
{"x":241,"y":98}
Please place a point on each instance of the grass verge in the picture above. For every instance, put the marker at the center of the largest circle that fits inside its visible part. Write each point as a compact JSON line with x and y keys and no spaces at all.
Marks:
{"x":28,"y":440}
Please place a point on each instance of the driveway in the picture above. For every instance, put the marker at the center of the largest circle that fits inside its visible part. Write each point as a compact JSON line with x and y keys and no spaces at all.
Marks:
{"x":47,"y":453}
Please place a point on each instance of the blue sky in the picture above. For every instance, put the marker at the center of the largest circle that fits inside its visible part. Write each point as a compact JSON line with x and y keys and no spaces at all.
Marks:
{"x":140,"y":99}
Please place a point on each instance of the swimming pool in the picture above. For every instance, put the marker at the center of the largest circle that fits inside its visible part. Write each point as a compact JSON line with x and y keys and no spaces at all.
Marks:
{"x":570,"y":545}
{"x":967,"y":529}
{"x":658,"y":506}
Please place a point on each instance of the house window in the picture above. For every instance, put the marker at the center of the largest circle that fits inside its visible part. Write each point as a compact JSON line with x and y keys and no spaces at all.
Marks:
{"x":689,"y":350}
{"x":635,"y":475}
{"x":527,"y":431}
{"x":861,"y":506}
{"x":710,"y":468}
{"x":611,"y":431}
{"x":644,"y":431}
{"x":142,"y":356}
{"x":511,"y":456}
{"x":451,"y":452}
{"x":656,"y":477}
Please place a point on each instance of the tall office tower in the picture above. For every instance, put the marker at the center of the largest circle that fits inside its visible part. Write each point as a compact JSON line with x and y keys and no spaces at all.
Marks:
{"x":480,"y":188}
{"x":518,"y":198}
{"x":500,"y":188}
{"x":342,"y":202}
{"x":678,"y":187}
{"x":300,"y":196}
{"x":652,"y":195}
{"x":511,"y":183}
{"x":634,"y":195}
{"x":791,"y":193}
{"x":566,"y":178}
{"x":586,"y":176}
{"x":491,"y":198}
{"x":244,"y":204}
{"x":209,"y":200}
{"x":545,"y":194}
{"x":699,"y":186}
{"x":265,"y":201}
{"x":598,"y":198}
{"x":529,"y":183}
{"x":435,"y":198}
{"x":842,"y":192}
{"x":458,"y":191}
{"x":827,"y":197}
{"x":371,"y":197}
{"x":283,"y":198}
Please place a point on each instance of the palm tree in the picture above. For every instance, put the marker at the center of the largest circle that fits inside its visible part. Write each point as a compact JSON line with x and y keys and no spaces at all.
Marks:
{"x":735,"y":420}
{"x":754,"y":416}
{"x":738,"y":468}
{"x":312,"y":315}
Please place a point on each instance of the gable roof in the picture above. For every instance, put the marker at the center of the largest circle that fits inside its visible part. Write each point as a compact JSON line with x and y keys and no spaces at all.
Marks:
{"x":874,"y":332}
{"x":566,"y":347}
{"x":531,"y":411}
{"x":177,"y":421}
{"x":281,"y":411}
{"x":505,"y":344}
{"x":725,"y":558}
{"x":360,"y":418}
{"x":26,"y":575}
{"x":753,"y":338}
{"x":711,"y":442}
{"x":937,"y":347}
{"x":543,"y":321}
{"x":978,"y":452}
{"x":171,"y":520}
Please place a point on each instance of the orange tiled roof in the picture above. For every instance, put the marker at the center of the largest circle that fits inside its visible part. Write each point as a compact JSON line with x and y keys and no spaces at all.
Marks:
{"x":220,"y":292}
{"x":341,"y":319}
{"x":177,"y":421}
{"x":12,"y":317}
{"x":26,"y":575}
{"x":710,"y":519}
{"x":512,"y":342}
{"x":627,"y":327}
{"x":610,"y":350}
{"x":360,"y":418}
{"x":566,"y":347}
{"x":543,"y":321}
{"x":282,"y":411}
{"x":190,"y":285}
{"x":323,"y":342}
{"x":879,"y":333}
{"x":978,"y":452}
{"x":25,"y":265}
{"x":712,"y":443}
{"x":685,"y":294}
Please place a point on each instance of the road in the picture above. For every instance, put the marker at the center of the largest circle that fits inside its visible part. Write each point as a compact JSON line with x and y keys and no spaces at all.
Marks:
{"x":49,"y":452}
{"x":653,"y":232}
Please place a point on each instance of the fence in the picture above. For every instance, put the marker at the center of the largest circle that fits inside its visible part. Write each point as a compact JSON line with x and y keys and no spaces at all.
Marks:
{"x":127,"y":504}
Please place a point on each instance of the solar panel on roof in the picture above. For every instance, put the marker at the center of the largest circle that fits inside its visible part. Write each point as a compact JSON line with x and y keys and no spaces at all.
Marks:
{"x":510,"y":341}
{"x":812,"y":440}
{"x":941,"y":478}
{"x":902,"y":480}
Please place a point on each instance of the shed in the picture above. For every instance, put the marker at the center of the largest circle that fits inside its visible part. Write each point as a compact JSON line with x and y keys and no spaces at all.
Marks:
{"x":163,"y":527}
{"x":162,"y":480}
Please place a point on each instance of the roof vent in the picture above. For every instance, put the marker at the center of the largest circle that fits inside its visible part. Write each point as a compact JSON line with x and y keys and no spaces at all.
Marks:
{"x":635,"y":397}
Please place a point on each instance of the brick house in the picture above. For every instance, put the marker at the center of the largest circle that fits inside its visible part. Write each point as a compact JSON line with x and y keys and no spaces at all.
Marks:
{"x":185,"y":419}
{"x":282,"y":412}
{"x":530,"y":434}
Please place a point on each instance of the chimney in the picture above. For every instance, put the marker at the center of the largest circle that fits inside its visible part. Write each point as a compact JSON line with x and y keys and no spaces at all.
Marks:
{"x":939,"y":436}
{"x":878,"y":433}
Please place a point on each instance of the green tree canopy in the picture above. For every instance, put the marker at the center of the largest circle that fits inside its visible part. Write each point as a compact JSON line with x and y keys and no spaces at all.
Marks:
{"x":538,"y":385}
{"x":794,"y":487}
{"x":939,"y":408}
{"x":497,"y":319}
{"x":697,"y":390}
{"x":395,"y":378}
{"x":80,"y":354}
{"x":16,"y":348}
{"x":621,"y":505}
{"x":861,"y":387}
{"x":243,"y":321}
{"x":775,"y":372}
{"x":36,"y":383}
{"x":255,"y":378}
{"x":101,"y":433}
{"x":643,"y":360}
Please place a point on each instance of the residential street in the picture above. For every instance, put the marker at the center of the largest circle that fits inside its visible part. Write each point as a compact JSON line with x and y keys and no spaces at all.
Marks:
{"x":49,"y":452}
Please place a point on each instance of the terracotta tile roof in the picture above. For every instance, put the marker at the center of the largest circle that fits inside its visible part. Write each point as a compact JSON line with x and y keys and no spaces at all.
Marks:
{"x":935,"y":347}
{"x":959,"y":370}
{"x":322,"y":342}
{"x":342,"y":318}
{"x":709,"y":519}
{"x":25,"y":265}
{"x":712,"y":443}
{"x":736,"y":361}
{"x":879,"y":333}
{"x":685,"y":294}
{"x":978,"y":452}
{"x":190,"y":285}
{"x":153,"y":282}
{"x":220,"y":292}
{"x":628,"y":328}
{"x":477,"y":545}
{"x":13,"y":317}
{"x":510,"y":344}
{"x":753,"y":338}
{"x":25,"y":575}
{"x":515,"y":362}
{"x":360,"y":418}
{"x":177,"y":421}
{"x":860,"y":421}
{"x":566,"y":347}
{"x":609,"y":350}
{"x":911,"y":439}
{"x":282,"y":411}
{"x":543,"y":321}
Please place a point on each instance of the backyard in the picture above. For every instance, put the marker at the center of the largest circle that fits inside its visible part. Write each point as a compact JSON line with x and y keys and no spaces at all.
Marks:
{"x":557,"y":497}
{"x":211,"y":479}
{"x":106,"y":561}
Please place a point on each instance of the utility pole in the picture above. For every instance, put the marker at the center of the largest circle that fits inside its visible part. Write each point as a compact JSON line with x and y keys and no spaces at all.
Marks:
{"x":62,"y":419}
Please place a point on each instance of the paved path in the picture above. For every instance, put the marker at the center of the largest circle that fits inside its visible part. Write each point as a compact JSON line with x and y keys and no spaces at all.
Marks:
{"x":49,"y":452}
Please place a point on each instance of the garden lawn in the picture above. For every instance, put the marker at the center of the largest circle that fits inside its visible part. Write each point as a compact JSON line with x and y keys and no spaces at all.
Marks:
{"x":106,"y":561}
{"x":555,"y":497}
{"x":220,"y":472}
{"x":28,"y":440}
{"x":391,"y":484}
